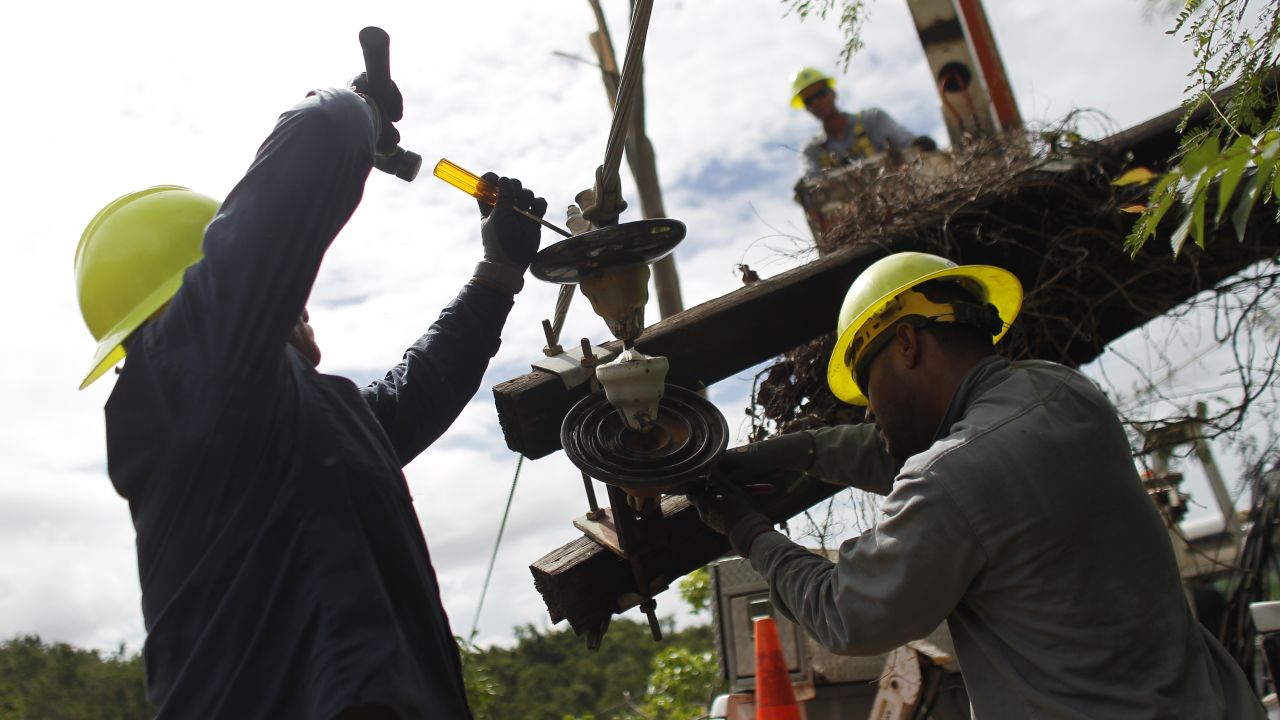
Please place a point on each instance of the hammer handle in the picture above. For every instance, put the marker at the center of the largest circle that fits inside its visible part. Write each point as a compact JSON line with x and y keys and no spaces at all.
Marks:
{"x":376,"y":45}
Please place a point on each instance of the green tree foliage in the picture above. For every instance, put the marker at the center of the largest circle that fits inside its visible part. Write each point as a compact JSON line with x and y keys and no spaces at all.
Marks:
{"x":695,"y":589}
{"x":551,"y":675}
{"x":482,"y":691}
{"x":60,"y":682}
{"x":678,"y":684}
{"x":853,"y":15}
{"x":547,"y":674}
{"x":1235,"y":44}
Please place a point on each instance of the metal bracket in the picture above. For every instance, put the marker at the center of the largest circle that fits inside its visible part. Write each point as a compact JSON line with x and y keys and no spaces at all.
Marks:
{"x":632,"y":533}
{"x":568,"y":364}
{"x":601,"y":529}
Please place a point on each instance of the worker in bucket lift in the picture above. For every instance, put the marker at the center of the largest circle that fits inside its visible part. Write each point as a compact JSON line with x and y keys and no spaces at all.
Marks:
{"x":284,"y":571}
{"x":846,"y":138}
{"x":1014,"y":512}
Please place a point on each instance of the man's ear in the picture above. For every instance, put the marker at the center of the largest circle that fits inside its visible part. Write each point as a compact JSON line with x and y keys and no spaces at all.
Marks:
{"x":908,"y":343}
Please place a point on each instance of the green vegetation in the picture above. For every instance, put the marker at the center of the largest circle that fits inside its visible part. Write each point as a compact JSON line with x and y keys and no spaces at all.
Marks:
{"x":1235,"y":44}
{"x":551,"y":675}
{"x":680,"y":684}
{"x":60,"y":682}
{"x":853,"y":16}
{"x":695,"y":589}
{"x":546,"y":674}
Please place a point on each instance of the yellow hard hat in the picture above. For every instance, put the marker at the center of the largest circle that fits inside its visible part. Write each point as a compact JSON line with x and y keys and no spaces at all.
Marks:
{"x":130,"y":263}
{"x":803,"y":78}
{"x":879,"y":297}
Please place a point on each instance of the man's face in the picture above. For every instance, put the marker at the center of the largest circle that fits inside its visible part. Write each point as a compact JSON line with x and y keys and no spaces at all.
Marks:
{"x":891,"y":404}
{"x":819,"y":99}
{"x":304,"y":339}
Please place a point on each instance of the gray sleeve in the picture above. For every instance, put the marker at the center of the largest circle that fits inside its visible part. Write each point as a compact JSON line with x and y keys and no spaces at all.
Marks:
{"x":813,"y":152}
{"x":881,"y":126}
{"x":852,"y":455}
{"x":893,"y":584}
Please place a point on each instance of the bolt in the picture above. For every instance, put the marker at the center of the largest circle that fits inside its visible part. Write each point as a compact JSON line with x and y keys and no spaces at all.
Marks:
{"x":648,"y":606}
{"x":553,"y":345}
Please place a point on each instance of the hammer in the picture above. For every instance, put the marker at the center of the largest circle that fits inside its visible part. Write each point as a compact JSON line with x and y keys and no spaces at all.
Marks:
{"x":376,"y":45}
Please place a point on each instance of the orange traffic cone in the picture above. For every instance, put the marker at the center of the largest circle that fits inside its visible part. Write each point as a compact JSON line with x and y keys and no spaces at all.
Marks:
{"x":775,"y":700}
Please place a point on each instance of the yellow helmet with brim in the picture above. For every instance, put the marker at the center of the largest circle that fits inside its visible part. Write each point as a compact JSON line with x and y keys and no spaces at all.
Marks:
{"x":880,"y":297}
{"x":803,"y":78}
{"x":130,"y":262}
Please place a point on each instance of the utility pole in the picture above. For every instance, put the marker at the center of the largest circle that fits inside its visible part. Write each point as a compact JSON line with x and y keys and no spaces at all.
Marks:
{"x":640,"y":159}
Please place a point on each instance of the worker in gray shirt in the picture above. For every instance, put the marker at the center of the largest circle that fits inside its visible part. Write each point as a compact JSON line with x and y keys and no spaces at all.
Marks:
{"x":846,"y":138}
{"x":1014,"y":512}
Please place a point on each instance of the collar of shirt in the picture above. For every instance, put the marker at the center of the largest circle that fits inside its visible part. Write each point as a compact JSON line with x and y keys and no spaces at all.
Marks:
{"x":973,"y":385}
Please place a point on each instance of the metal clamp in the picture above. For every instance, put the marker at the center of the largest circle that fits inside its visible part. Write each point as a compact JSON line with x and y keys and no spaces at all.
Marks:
{"x":570,"y":365}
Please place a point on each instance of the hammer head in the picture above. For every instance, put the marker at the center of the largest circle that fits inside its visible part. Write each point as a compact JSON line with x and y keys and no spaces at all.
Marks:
{"x":399,"y":162}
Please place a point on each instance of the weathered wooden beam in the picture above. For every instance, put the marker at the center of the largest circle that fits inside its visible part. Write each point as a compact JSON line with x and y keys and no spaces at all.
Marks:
{"x":703,"y":344}
{"x":586,"y":584}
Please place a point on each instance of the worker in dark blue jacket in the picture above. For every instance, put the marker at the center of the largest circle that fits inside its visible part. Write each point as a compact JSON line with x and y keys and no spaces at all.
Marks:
{"x":284,"y":571}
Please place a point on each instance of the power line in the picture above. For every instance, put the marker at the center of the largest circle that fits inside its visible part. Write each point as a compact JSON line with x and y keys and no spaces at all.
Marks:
{"x":494,"y":557}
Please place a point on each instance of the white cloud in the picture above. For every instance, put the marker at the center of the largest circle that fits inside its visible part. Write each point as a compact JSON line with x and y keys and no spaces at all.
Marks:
{"x":116,"y":97}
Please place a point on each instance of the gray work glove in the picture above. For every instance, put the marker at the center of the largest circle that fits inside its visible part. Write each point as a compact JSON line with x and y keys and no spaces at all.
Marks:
{"x":924,"y":143}
{"x":510,"y":239}
{"x":724,"y":508}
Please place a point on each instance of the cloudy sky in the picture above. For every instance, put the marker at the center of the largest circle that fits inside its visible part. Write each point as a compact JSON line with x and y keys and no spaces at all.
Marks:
{"x":110,"y":97}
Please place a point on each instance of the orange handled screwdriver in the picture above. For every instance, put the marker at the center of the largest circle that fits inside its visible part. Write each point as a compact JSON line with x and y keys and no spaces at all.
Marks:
{"x":477,"y":188}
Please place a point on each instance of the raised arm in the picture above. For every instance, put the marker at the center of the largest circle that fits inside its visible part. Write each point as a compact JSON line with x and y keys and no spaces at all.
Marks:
{"x":847,"y":455}
{"x":842,"y":455}
{"x":853,"y":455}
{"x":264,"y":246}
{"x":421,"y":397}
{"x":816,"y":158}
{"x":878,"y":122}
{"x":894,"y":583}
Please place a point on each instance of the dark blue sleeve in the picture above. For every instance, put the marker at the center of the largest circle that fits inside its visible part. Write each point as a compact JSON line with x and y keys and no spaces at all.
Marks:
{"x":421,"y":397}
{"x":263,"y":249}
